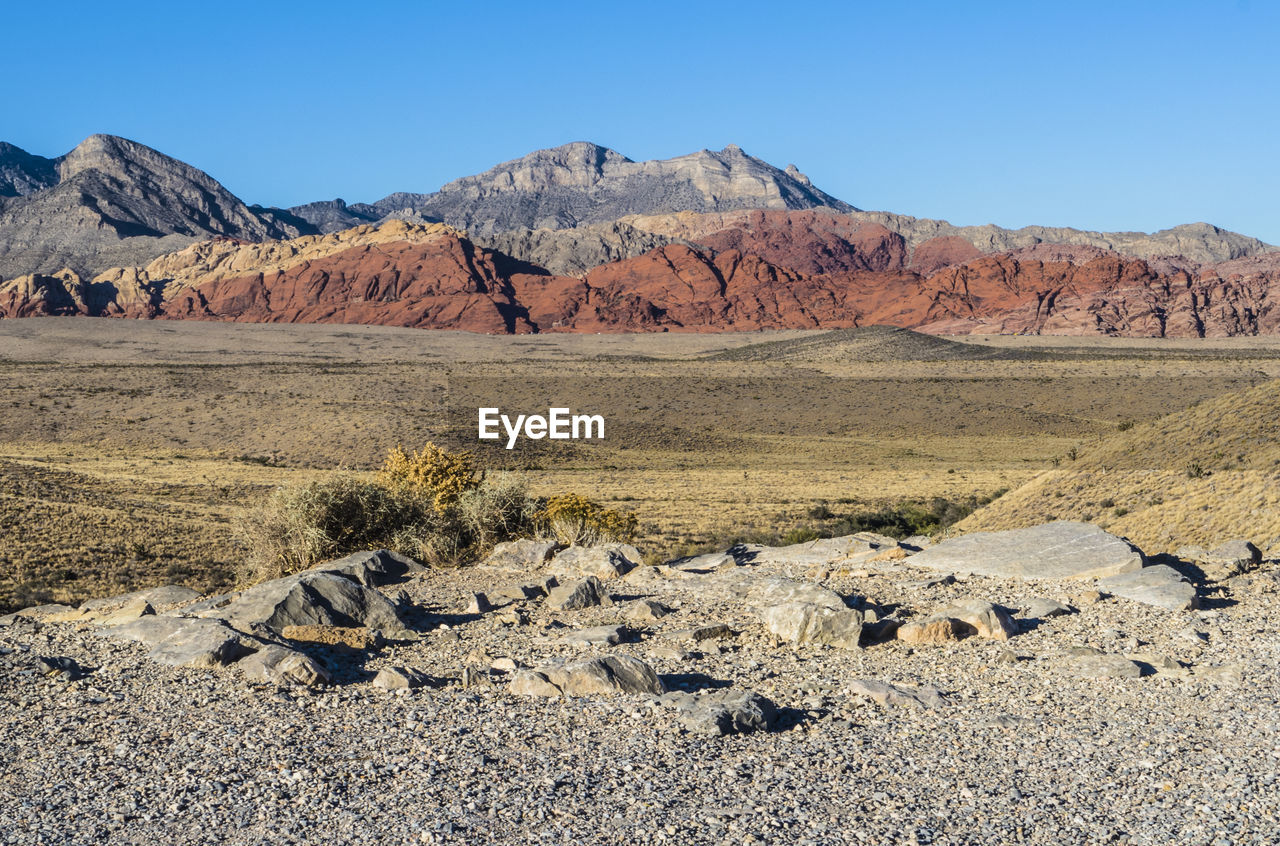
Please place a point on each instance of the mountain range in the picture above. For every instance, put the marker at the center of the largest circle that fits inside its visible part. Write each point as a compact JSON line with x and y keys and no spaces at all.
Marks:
{"x":581,"y":238}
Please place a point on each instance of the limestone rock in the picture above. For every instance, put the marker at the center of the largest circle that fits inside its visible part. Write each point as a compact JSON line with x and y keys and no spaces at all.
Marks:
{"x":523,"y":554}
{"x":478,"y":603}
{"x":601,"y":562}
{"x":1061,"y":550}
{"x":1161,"y":586}
{"x":986,"y":620}
{"x":799,"y":623}
{"x":931,"y":630}
{"x":401,"y":678}
{"x":308,"y":598}
{"x":283,"y":666}
{"x":885,"y":694}
{"x":722,"y":712}
{"x":586,"y":593}
{"x":599,"y":676}
{"x":187,"y":642}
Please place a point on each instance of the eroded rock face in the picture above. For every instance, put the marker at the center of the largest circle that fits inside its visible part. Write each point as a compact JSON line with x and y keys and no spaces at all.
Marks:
{"x":1060,"y":550}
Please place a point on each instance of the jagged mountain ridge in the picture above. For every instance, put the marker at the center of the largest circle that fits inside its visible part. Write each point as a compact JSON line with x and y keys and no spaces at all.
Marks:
{"x":584,"y":183}
{"x":116,"y":202}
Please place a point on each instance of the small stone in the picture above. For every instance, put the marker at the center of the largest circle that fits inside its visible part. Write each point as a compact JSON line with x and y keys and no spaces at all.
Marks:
{"x":646,"y":610}
{"x":401,"y":678}
{"x":478,"y":603}
{"x":1043,"y":609}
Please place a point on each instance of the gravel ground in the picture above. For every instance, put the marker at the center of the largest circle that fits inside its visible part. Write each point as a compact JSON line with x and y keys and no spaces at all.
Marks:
{"x":1024,"y":751}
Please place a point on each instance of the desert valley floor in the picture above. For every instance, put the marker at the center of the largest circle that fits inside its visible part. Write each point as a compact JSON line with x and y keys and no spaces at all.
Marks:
{"x":1060,"y":710}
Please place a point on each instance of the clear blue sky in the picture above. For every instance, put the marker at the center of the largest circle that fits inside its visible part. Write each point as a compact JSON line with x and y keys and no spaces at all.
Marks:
{"x":1117,"y":115}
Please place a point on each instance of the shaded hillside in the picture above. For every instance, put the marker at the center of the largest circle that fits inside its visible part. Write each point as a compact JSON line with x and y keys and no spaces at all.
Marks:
{"x":1204,"y":475}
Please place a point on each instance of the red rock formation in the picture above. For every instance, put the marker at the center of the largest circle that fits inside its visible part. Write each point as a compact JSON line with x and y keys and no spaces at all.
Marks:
{"x":765,"y":270}
{"x":444,"y":284}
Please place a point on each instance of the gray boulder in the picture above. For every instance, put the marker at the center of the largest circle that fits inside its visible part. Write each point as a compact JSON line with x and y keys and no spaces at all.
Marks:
{"x":583,"y":594}
{"x":599,"y":676}
{"x":1161,"y":586}
{"x":1060,"y":550}
{"x":372,"y":569}
{"x":602,"y":562}
{"x":283,"y":666}
{"x":800,"y":622}
{"x":722,"y":712}
{"x":309,"y":598}
{"x":764,"y":593}
{"x":187,"y":642}
{"x":521,"y":554}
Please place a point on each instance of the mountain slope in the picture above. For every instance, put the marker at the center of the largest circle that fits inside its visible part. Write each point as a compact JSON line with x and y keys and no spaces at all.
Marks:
{"x":1218,"y":479}
{"x":22,"y":173}
{"x":118,"y":202}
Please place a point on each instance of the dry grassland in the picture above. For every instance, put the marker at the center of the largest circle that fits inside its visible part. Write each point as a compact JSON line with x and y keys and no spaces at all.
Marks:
{"x":129,"y":449}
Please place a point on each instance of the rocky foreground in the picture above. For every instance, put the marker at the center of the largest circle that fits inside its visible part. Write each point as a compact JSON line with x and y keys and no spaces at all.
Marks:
{"x":1045,"y":685}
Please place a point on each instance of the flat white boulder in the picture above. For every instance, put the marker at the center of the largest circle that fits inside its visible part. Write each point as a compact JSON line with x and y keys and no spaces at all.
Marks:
{"x":1060,"y":550}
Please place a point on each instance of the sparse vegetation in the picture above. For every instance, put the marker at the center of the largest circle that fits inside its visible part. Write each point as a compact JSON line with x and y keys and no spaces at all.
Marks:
{"x":433,"y":505}
{"x":574,"y":519}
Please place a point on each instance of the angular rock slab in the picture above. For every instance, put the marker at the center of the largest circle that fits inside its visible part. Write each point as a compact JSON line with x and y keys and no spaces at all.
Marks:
{"x":722,"y":712}
{"x":599,"y":676}
{"x":765,"y":593}
{"x":283,"y":666}
{"x":800,"y":622}
{"x":159,"y":598}
{"x":1061,"y":550}
{"x":187,"y":642}
{"x":602,"y":562}
{"x":307,"y":599}
{"x":587,"y":593}
{"x":523,"y":554}
{"x":1161,"y":586}
{"x":885,"y":694}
